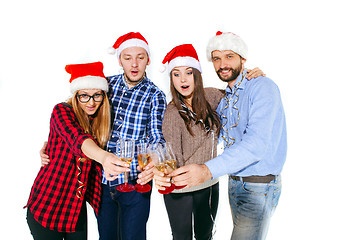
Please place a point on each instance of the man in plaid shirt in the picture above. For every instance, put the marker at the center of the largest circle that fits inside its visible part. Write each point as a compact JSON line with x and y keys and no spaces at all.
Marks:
{"x":138,"y":109}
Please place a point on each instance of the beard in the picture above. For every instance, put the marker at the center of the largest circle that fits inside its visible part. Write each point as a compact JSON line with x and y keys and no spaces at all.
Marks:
{"x":234,"y":73}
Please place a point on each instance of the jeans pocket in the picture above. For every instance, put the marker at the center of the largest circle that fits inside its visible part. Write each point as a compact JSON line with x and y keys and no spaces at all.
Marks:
{"x":255,"y":188}
{"x":275,"y":197}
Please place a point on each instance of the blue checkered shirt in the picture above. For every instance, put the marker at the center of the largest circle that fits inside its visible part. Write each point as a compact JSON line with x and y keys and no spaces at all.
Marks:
{"x":137,"y":113}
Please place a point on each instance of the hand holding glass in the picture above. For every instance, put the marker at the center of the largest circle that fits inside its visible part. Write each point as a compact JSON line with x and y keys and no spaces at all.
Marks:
{"x":167,"y":165}
{"x":144,"y":159}
{"x":125,"y":150}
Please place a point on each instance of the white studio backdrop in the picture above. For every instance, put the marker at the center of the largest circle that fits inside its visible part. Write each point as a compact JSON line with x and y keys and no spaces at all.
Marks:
{"x":309,"y":48}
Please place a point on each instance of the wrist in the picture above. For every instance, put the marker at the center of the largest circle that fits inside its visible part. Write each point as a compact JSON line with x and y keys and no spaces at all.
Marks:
{"x":206,"y":172}
{"x":102,"y":156}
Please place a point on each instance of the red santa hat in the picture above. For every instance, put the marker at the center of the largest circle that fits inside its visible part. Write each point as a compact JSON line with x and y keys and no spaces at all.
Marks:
{"x":227,"y":41}
{"x":180,"y":56}
{"x":87,"y":76}
{"x":131,"y":39}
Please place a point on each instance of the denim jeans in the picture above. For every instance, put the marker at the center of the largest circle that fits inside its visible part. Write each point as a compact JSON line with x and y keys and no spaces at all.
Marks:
{"x":123,"y":215}
{"x":252,"y":205}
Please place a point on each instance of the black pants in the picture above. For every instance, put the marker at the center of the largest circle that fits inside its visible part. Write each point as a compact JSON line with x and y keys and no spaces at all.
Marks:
{"x":41,"y":233}
{"x":181,"y":207}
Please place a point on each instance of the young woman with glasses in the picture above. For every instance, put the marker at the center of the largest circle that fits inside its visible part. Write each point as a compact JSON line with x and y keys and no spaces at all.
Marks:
{"x":79,"y":129}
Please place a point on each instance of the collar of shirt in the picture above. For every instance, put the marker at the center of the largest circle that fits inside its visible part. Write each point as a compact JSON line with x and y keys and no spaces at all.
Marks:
{"x":130,"y":115}
{"x":123,"y":82}
{"x":239,"y":84}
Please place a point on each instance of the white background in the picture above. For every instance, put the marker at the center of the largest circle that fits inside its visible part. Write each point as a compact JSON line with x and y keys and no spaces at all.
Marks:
{"x":309,"y":48}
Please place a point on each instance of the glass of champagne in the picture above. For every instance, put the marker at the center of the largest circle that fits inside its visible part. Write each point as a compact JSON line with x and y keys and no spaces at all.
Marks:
{"x":144,"y":159}
{"x":157,"y":154}
{"x":170,"y":161}
{"x":125,"y":150}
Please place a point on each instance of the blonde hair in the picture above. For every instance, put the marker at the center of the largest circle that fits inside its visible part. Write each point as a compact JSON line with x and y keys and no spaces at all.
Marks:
{"x":99,"y":128}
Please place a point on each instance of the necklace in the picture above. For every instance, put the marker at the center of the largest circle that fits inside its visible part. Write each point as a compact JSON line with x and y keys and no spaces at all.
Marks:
{"x":191,"y":115}
{"x":227,"y":138}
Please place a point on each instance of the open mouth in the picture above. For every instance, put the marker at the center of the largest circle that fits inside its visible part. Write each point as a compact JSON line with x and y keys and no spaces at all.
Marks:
{"x":225,"y":71}
{"x":134,"y":72}
{"x":90,"y":108}
{"x":185,"y":87}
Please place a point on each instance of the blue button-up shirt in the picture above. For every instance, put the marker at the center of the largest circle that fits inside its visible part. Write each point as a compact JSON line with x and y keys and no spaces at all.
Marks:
{"x":137,"y":114}
{"x":253,"y":130}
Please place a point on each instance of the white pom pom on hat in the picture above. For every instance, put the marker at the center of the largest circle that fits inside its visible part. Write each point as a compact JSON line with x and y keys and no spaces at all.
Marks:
{"x":162,"y":68}
{"x":111,"y":50}
{"x":181,"y":56}
{"x":227,"y":41}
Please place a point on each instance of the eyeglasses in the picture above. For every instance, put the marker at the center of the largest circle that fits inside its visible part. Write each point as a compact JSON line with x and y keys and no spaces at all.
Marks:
{"x":84,"y":98}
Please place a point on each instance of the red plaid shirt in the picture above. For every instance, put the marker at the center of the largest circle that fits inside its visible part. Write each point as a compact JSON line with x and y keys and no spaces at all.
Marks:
{"x":61,"y":187}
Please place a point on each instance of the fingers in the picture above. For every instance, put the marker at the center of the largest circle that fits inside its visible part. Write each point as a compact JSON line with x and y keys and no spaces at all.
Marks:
{"x":115,"y":160}
{"x":43,"y":156}
{"x":185,"y":183}
{"x":145,"y":176}
{"x":112,"y":172}
{"x":179,"y":171}
{"x":254,"y":73}
{"x":251,"y":73}
{"x":116,"y":170}
{"x":192,"y":175}
{"x":150,"y":166}
{"x":182,"y":180}
{"x":45,"y":161}
{"x":110,"y":177}
{"x":114,"y":166}
{"x":161,"y":181}
{"x":43,"y":147}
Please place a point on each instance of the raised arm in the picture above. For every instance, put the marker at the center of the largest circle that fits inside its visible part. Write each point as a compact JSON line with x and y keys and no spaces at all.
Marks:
{"x":63,"y":122}
{"x":154,"y":124}
{"x":172,"y":133}
{"x":154,"y":131}
{"x":112,"y":164}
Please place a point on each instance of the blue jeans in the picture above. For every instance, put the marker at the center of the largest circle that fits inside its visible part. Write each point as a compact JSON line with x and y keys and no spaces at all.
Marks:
{"x":123,"y":215}
{"x":252,"y":205}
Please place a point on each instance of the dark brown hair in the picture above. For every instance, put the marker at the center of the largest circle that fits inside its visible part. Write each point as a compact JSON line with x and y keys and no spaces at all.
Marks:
{"x":200,"y":106}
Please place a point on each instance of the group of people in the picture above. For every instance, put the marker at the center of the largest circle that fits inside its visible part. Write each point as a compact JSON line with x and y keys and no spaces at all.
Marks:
{"x":79,"y":163}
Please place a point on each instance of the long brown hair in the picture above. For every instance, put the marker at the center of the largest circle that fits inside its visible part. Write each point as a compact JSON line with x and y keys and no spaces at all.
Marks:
{"x":200,"y":106}
{"x":99,"y":127}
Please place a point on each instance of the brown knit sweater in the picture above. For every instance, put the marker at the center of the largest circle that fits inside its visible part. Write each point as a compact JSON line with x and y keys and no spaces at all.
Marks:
{"x":187,"y":148}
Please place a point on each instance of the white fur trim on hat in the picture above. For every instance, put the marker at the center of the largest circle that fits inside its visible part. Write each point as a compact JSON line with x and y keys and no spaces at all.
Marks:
{"x":89,"y":82}
{"x":184,"y":62}
{"x":134,"y":42}
{"x":227,"y":41}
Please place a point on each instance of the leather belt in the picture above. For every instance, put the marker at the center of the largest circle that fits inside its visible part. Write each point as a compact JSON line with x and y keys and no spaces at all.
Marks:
{"x":255,"y":179}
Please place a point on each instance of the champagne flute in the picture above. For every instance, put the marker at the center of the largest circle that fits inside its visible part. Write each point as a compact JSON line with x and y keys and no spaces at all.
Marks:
{"x":170,"y":161}
{"x":125,"y":150}
{"x":157,"y":155}
{"x":144,"y":159}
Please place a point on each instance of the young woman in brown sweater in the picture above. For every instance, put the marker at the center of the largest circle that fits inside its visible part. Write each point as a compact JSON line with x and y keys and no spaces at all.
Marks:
{"x":191,"y":125}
